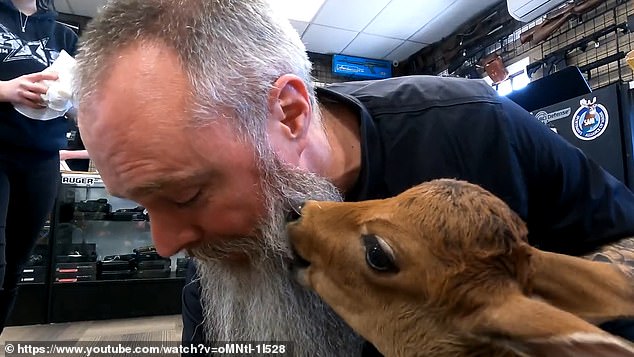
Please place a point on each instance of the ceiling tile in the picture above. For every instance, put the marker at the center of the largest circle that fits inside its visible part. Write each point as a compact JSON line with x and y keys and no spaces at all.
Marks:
{"x":437,"y":30}
{"x":62,"y":6}
{"x":402,"y":18}
{"x":300,"y":26}
{"x":351,"y":15}
{"x":371,"y":46}
{"x":86,"y":7}
{"x":459,"y":13}
{"x":406,"y":49}
{"x":323,"y":39}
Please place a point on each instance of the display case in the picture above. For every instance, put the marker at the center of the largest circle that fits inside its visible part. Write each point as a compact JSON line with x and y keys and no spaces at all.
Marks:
{"x":95,"y":260}
{"x":100,"y":237}
{"x":103,"y":262}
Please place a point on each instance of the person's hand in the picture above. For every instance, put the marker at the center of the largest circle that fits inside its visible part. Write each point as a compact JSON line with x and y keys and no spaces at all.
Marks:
{"x":26,"y":90}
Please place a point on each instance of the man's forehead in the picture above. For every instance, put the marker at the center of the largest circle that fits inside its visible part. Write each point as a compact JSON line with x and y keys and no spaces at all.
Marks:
{"x":140,"y":88}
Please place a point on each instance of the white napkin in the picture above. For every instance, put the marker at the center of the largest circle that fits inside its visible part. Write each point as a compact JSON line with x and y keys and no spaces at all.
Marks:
{"x":59,"y":97}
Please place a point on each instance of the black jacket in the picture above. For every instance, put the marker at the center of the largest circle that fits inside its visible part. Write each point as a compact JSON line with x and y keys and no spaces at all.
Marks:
{"x":419,"y":128}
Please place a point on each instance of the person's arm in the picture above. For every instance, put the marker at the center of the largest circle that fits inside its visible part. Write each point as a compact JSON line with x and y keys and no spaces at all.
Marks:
{"x":26,"y":89}
{"x":73,"y":154}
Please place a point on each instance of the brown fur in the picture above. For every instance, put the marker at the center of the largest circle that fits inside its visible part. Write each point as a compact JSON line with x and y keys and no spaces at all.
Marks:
{"x":468,"y":284}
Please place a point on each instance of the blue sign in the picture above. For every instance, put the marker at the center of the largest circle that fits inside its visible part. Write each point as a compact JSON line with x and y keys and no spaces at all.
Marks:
{"x":361,"y":67}
{"x":590,"y":120}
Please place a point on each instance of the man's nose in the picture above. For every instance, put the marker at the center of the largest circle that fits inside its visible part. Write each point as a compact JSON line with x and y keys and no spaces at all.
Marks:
{"x":170,"y":237}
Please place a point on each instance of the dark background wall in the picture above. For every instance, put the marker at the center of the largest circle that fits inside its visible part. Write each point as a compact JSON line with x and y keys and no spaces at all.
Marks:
{"x":432,"y":60}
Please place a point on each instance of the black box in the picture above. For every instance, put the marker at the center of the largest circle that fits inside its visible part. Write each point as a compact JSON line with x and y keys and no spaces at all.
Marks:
{"x":114,"y":265}
{"x":83,"y":267}
{"x":67,"y":272}
{"x":163,"y":263}
{"x":35,"y":274}
{"x":153,"y":273}
{"x":76,"y":252}
{"x":181,"y":262}
{"x":98,"y":205}
{"x":116,"y":275}
{"x":74,"y":279}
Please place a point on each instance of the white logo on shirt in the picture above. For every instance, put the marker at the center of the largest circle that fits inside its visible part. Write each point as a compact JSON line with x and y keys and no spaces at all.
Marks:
{"x":19,"y":50}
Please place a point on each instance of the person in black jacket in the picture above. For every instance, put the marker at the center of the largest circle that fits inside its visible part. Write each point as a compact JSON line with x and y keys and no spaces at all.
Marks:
{"x":205,"y":113}
{"x":30,"y":40}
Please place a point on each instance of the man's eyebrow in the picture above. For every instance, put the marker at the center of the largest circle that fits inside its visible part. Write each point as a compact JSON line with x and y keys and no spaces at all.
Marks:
{"x":158,"y":184}
{"x":147,"y":188}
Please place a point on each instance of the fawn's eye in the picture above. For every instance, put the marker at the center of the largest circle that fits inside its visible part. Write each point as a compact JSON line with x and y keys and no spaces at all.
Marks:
{"x":378,"y":254}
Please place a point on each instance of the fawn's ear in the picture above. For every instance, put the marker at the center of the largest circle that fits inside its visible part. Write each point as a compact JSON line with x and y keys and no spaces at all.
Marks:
{"x":534,"y":328}
{"x":596,"y":292}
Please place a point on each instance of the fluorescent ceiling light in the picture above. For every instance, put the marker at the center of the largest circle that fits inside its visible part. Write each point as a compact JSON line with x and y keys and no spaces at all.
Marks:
{"x":520,"y":81}
{"x":505,"y":87}
{"x":298,"y":10}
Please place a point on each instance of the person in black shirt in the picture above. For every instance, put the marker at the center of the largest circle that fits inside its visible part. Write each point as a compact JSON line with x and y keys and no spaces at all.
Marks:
{"x":30,"y":41}
{"x":218,"y":134}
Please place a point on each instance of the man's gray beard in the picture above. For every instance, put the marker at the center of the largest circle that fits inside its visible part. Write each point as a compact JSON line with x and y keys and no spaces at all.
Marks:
{"x":260,"y":301}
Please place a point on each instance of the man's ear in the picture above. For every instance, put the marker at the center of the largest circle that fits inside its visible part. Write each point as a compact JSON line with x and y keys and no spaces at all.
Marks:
{"x":289,"y":116}
{"x":534,"y":328}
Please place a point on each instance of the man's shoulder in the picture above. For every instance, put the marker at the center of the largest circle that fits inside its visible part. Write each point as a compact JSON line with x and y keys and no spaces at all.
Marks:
{"x":416,"y":92}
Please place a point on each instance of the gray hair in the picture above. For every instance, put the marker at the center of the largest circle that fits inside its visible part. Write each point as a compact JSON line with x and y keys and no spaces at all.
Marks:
{"x":231,"y":50}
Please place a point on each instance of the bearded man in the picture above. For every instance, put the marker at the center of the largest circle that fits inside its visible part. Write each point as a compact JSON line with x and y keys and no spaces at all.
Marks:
{"x":205,"y":113}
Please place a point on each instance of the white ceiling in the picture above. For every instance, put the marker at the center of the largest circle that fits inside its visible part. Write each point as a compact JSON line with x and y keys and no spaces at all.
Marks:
{"x":381,"y":29}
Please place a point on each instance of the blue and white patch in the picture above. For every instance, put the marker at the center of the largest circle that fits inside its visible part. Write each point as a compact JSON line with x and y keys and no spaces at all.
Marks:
{"x":590,"y":120}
